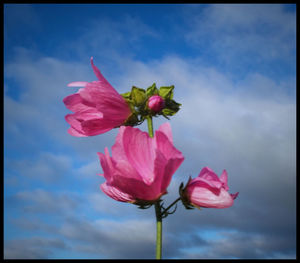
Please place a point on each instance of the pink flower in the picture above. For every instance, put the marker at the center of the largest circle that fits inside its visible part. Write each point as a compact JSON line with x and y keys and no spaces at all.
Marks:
{"x":141,"y":167}
{"x":156,"y":103}
{"x":208,"y":190}
{"x":97,"y":107}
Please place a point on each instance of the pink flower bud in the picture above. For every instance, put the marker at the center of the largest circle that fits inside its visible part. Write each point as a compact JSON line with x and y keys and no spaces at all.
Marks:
{"x":156,"y":103}
{"x":208,"y":190}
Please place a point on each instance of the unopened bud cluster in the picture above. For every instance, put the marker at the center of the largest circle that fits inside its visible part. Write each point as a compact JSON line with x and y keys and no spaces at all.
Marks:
{"x":149,"y":103}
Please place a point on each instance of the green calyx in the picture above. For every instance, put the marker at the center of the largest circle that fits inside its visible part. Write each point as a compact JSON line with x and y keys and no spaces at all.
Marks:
{"x":137,"y":100}
{"x":183,"y":196}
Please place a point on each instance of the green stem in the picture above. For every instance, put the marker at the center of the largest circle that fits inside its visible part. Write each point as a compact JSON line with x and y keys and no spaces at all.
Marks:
{"x":166,"y":210}
{"x":158,"y":230}
{"x":157,"y":205}
{"x":150,"y":126}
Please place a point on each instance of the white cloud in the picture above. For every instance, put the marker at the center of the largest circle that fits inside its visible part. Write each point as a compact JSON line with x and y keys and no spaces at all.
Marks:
{"x":235,"y":245}
{"x":32,"y":248}
{"x":243,"y":32}
{"x":46,"y":202}
{"x":113,"y":239}
{"x":46,"y":167}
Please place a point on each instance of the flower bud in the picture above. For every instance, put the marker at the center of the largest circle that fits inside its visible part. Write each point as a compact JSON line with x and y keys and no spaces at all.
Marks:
{"x":207,"y":190}
{"x":156,"y":103}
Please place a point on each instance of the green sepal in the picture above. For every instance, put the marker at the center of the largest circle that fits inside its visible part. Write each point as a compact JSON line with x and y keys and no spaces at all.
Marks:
{"x":144,"y":204}
{"x":126,"y":95}
{"x":165,"y":116}
{"x":171,"y":107}
{"x":138,"y":96}
{"x":183,"y":196}
{"x":152,"y":90}
{"x":166,"y":92}
{"x":132,"y":120}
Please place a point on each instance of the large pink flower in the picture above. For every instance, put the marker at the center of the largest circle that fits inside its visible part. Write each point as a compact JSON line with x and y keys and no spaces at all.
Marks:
{"x":141,"y":167}
{"x":97,"y":107}
{"x":208,"y":190}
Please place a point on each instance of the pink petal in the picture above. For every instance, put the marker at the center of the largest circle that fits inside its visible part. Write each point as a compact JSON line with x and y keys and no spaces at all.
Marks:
{"x":78,"y":84}
{"x":90,"y":122}
{"x":162,"y":176}
{"x":140,"y":152}
{"x":169,"y":169}
{"x":74,"y":122}
{"x":201,"y":181}
{"x":115,"y":193}
{"x":75,"y":103}
{"x":105,"y":100}
{"x":107,"y":165}
{"x":124,"y":168}
{"x":224,"y":180}
{"x":234,"y":196}
{"x":117,"y":149}
{"x":98,"y":74}
{"x":165,"y":128}
{"x":134,"y":187}
{"x":164,"y":143}
{"x":76,"y":133}
{"x":78,"y":121}
{"x":97,"y":126}
{"x":203,"y":197}
{"x":209,"y":174}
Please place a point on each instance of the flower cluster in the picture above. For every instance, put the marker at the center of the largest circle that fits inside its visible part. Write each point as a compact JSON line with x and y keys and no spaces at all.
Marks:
{"x":142,"y":164}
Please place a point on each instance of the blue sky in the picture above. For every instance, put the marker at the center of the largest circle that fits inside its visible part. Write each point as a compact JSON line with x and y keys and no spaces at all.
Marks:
{"x":234,"y":71}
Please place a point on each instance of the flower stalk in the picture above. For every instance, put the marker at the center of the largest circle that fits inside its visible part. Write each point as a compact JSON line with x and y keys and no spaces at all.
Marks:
{"x":165,"y":211}
{"x":158,"y":230}
{"x":157,"y":205}
{"x":150,"y":126}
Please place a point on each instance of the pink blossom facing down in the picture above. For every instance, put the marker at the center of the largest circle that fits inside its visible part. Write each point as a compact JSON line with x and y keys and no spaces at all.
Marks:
{"x":156,"y":103}
{"x":210,"y":191}
{"x":140,"y":167}
{"x":97,"y":107}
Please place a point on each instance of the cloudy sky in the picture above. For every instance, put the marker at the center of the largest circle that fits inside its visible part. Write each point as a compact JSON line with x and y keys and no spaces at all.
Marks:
{"x":234,"y":71}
